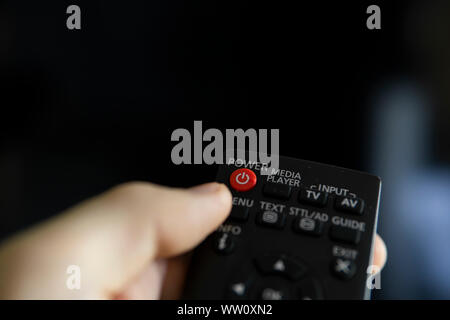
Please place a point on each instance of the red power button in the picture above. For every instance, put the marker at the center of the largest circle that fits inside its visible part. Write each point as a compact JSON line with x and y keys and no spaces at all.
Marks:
{"x":243,"y":180}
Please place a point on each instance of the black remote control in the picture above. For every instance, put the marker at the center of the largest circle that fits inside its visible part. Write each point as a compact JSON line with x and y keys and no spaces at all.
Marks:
{"x":304,"y":232}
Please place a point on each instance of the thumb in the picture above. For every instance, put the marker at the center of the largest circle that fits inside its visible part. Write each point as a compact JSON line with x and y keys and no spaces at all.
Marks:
{"x":112,"y":238}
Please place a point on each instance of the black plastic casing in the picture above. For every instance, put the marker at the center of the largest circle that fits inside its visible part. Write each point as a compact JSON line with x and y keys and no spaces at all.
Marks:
{"x":211,"y":274}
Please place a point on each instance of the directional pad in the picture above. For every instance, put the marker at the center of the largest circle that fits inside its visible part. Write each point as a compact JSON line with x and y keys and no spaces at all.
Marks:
{"x":280,"y":265}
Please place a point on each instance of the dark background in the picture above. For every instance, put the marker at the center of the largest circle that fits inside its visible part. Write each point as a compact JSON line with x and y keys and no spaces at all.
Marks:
{"x":82,"y":111}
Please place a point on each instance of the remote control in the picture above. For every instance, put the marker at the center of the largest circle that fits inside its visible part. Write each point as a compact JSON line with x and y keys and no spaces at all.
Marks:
{"x":304,"y":232}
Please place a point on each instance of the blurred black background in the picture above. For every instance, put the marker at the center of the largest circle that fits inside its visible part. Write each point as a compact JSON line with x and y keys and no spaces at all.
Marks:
{"x":82,"y":111}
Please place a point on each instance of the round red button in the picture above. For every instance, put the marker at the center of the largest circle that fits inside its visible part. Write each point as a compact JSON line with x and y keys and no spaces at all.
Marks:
{"x":243,"y":180}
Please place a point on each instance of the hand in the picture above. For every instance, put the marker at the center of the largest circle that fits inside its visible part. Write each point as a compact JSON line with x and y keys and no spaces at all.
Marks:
{"x":130,"y":243}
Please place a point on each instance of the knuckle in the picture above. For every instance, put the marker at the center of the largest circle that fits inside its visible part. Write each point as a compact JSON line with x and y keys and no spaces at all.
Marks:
{"x":130,"y":194}
{"x":130,"y":190}
{"x":140,"y":196}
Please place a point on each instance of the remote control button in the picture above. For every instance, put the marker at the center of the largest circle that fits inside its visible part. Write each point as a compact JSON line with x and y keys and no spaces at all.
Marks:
{"x":278,"y":191}
{"x":239,"y":213}
{"x":310,"y":289}
{"x":350,"y":205}
{"x":237,"y":290}
{"x":313,"y":197}
{"x":243,"y":180}
{"x":343,"y":268}
{"x":308,"y":226}
{"x":278,"y":265}
{"x":224,"y":243}
{"x":271,"y":219}
{"x":346,"y":235}
{"x":274,"y":293}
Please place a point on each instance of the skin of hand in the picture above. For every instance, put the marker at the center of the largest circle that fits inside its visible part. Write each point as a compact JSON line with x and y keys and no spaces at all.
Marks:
{"x":132,"y":242}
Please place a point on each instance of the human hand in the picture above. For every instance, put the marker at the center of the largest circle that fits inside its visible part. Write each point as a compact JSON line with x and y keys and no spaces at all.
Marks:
{"x":130,"y":243}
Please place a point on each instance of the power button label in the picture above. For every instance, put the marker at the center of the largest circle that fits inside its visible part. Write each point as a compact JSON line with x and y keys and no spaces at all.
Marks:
{"x":243,"y":180}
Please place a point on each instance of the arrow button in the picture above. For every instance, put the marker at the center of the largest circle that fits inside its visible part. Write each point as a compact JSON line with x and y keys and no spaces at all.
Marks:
{"x":281,"y":265}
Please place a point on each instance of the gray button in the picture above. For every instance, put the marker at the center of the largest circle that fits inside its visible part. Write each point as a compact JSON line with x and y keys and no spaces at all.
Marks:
{"x":271,"y":219}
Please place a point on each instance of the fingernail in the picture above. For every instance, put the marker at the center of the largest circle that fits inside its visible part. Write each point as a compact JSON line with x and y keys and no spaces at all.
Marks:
{"x":211,"y":187}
